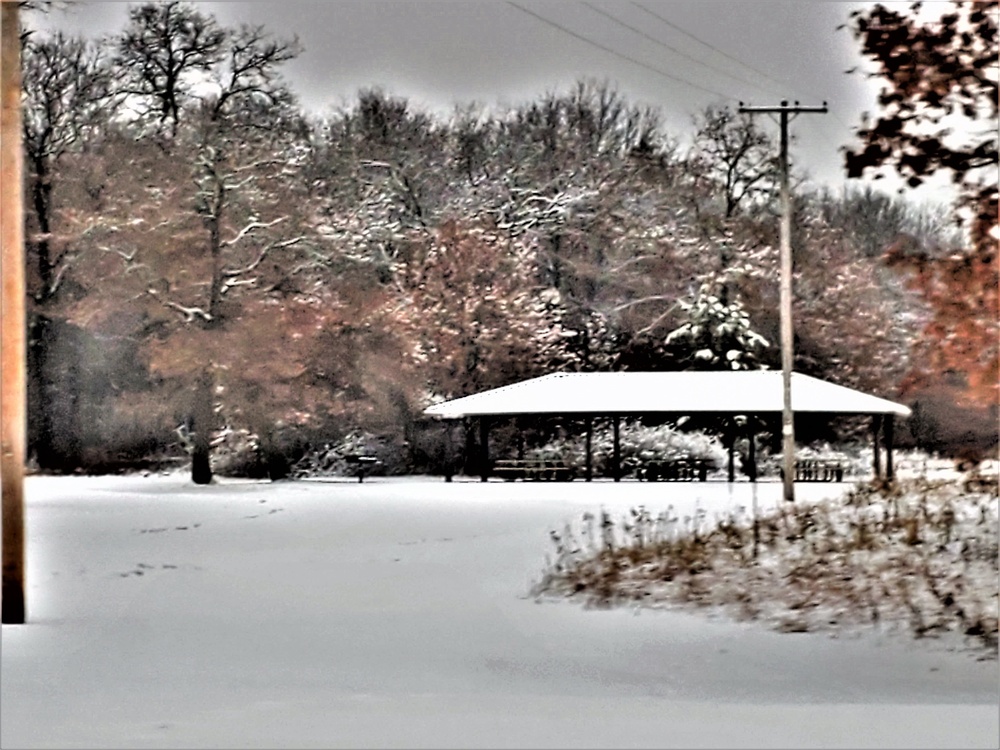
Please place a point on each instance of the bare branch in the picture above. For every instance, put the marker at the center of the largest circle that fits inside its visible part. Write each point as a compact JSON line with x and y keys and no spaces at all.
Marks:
{"x":126,"y":256}
{"x":630,"y":262}
{"x":644,"y":301}
{"x":656,"y":322}
{"x":58,"y":278}
{"x":230,"y":272}
{"x":250,"y":227}
{"x":189,"y":313}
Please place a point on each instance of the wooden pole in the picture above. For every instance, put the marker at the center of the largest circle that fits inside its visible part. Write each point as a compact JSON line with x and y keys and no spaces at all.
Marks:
{"x":889,"y":429}
{"x":449,"y":451}
{"x":876,"y":452}
{"x":519,"y":429}
{"x":616,"y":461}
{"x":484,"y":448}
{"x":13,"y":427}
{"x":731,"y":440}
{"x":787,"y":334}
{"x":751,"y":450}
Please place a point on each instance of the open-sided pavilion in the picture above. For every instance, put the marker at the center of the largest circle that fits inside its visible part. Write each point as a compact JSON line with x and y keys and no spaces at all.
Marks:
{"x":623,"y":395}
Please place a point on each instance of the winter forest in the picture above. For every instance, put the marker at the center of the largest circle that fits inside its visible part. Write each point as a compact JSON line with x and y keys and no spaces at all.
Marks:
{"x":217,"y":275}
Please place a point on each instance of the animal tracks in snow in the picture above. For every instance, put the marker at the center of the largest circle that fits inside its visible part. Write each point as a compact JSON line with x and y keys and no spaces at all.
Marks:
{"x":142,"y":569}
{"x":161,"y":529}
{"x":190,"y":526}
{"x":269,"y":513}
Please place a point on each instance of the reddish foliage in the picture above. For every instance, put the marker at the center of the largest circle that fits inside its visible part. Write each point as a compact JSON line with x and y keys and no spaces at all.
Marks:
{"x":962,"y":337}
{"x":933,"y":70}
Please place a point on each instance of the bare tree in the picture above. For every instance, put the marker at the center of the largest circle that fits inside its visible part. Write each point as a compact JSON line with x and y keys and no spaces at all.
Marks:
{"x":219,"y":93}
{"x":164,"y":51}
{"x":67,"y":100}
{"x":737,"y":156}
{"x":68,"y":97}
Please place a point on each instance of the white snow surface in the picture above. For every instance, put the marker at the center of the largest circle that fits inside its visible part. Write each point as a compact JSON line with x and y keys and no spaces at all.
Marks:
{"x":395,"y":613}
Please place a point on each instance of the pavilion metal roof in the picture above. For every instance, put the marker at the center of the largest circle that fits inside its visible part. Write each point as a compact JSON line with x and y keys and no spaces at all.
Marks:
{"x":684,"y":393}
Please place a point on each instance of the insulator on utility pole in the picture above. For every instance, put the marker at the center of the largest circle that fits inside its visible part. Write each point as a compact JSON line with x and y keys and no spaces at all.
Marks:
{"x":787,"y":331}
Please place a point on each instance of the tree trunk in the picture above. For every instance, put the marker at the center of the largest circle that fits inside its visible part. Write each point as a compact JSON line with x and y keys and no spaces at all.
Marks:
{"x":40,"y":437}
{"x":274,"y":460}
{"x":41,"y":197}
{"x":215,"y":249}
{"x":202,"y":422}
{"x":469,"y":463}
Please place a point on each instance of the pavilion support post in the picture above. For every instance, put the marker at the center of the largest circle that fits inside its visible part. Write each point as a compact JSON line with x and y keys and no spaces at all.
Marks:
{"x":889,"y":429}
{"x":751,"y":450}
{"x":449,"y":451}
{"x":470,"y":464}
{"x":616,"y":459}
{"x":484,"y":448}
{"x":731,"y":446}
{"x":876,"y":449}
{"x":589,"y":448}
{"x":519,"y":429}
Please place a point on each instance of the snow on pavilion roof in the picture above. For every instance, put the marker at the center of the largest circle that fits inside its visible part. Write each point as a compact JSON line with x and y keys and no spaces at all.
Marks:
{"x":610,"y":393}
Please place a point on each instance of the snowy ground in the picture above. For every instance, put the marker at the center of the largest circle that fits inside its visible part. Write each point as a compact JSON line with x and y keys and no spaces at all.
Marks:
{"x":394,"y":614}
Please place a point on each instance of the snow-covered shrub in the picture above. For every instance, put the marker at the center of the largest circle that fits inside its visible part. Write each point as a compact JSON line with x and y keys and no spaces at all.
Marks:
{"x":236,"y":453}
{"x":242,"y":453}
{"x":918,"y":555}
{"x":638,"y":444}
{"x":715,"y":335}
{"x":331,"y":459}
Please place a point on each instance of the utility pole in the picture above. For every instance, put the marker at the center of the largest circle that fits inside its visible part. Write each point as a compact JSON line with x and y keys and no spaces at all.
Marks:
{"x":787,"y":335}
{"x":12,"y":318}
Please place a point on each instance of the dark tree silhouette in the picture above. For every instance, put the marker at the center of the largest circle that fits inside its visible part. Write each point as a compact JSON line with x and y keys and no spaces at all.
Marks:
{"x":938,"y":74}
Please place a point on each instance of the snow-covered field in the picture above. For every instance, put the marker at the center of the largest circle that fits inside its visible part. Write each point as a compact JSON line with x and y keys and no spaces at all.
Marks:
{"x":394,"y":613}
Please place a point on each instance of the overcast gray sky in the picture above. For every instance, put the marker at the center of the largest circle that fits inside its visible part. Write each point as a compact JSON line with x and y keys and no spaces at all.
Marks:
{"x":685,"y":54}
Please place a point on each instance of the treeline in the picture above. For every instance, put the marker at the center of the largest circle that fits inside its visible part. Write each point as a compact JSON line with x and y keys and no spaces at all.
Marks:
{"x":215,"y":272}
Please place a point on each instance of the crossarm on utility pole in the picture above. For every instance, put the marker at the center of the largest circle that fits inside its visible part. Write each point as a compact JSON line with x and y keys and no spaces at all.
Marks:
{"x":787,"y":331}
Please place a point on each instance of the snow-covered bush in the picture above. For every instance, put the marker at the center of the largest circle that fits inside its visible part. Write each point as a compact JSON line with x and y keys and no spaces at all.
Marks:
{"x":638,"y":444}
{"x":918,"y":555}
{"x":236,"y":453}
{"x":715,"y":335}
{"x":331,"y":459}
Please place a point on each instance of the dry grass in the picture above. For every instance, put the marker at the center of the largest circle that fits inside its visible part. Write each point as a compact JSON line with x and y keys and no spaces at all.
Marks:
{"x":919,"y":556}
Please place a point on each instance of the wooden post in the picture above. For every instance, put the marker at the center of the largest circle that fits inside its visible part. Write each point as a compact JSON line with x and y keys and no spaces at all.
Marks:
{"x":876,"y":453}
{"x":484,"y":448}
{"x":751,"y":450}
{"x":471,"y":451}
{"x":889,"y":428}
{"x":449,"y":452}
{"x":589,"y":443}
{"x":13,"y":346}
{"x":616,"y":462}
{"x":785,"y":302}
{"x":787,"y":337}
{"x":731,"y":440}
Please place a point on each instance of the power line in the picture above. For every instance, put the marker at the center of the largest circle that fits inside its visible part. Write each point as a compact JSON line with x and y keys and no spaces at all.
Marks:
{"x":725,"y":54}
{"x":712,"y":47}
{"x":616,"y":53}
{"x":651,"y":68}
{"x":683,"y":54}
